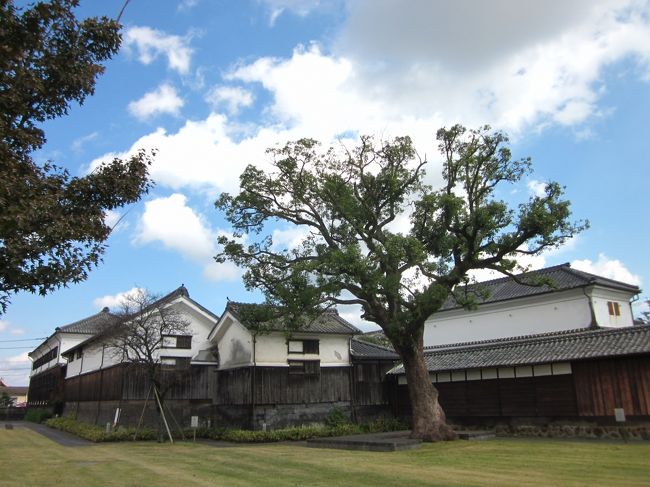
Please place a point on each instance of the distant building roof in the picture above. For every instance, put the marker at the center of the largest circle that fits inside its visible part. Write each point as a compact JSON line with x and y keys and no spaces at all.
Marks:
{"x":562,"y":277}
{"x":560,"y":346}
{"x":90,"y":325}
{"x":327,"y":322}
{"x":180,"y":291}
{"x":14,"y":390}
{"x":365,"y":350}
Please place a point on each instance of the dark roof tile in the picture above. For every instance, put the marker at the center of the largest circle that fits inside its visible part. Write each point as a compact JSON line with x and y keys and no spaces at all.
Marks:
{"x":327,"y":322}
{"x":363,"y":349}
{"x":537,"y":349}
{"x":90,"y":325}
{"x":562,"y":277}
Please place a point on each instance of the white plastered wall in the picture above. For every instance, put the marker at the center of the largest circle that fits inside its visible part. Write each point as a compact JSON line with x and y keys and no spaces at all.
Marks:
{"x":271,"y":349}
{"x":562,"y":310}
{"x":600,"y":298}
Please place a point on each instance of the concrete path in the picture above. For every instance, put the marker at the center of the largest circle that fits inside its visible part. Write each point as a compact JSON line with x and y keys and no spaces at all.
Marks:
{"x":60,"y":437}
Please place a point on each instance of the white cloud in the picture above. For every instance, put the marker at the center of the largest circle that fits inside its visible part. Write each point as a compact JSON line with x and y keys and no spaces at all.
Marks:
{"x":78,"y":144}
{"x":6,"y":326}
{"x":162,"y":100}
{"x":537,"y":188}
{"x":114,"y":301}
{"x":544,"y":66}
{"x":22,"y":358}
{"x":187,"y":4}
{"x":352,"y":313}
{"x":178,"y":227}
{"x":289,"y":238}
{"x":206,"y":154}
{"x":301,"y":8}
{"x":114,"y":218}
{"x":151,"y":43}
{"x":231,"y":97}
{"x":606,"y":267}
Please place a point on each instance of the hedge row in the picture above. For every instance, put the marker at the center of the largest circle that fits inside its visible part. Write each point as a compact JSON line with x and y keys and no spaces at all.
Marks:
{"x":301,"y":432}
{"x":97,"y":433}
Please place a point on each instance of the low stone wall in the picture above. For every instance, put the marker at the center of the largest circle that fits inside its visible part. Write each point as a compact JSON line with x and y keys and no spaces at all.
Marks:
{"x":102,"y":412}
{"x":583,"y":430}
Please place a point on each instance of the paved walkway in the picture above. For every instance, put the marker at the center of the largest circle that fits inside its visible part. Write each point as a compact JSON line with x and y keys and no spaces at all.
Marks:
{"x":60,"y":437}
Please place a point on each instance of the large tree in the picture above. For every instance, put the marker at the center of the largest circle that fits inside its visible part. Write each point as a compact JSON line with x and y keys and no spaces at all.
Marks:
{"x":52,"y":225}
{"x":348,"y":204}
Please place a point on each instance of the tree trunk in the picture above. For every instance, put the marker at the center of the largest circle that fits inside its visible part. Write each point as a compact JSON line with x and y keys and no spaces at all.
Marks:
{"x":428,"y":418}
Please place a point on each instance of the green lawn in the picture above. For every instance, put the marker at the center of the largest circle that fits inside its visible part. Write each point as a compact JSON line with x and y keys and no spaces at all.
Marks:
{"x":29,"y":459}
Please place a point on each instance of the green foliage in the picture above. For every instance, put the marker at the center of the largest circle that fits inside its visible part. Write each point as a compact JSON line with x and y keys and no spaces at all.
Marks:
{"x":6,"y":400}
{"x":351,"y":254}
{"x":37,"y":415}
{"x":300,"y":433}
{"x":97,"y":433}
{"x":336,"y":417}
{"x":348,"y":203}
{"x":52,"y":226}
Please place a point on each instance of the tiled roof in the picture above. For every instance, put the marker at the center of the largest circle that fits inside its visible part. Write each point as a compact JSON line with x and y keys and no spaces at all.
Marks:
{"x":538,"y":349}
{"x":180,"y":291}
{"x":91,"y":324}
{"x":363,"y":349}
{"x":562,"y":277}
{"x":14,"y":390}
{"x":327,"y":322}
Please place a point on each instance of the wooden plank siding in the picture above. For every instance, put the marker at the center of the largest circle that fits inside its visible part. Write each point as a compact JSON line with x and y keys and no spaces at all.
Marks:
{"x":131,"y":383}
{"x":525,"y":397}
{"x":593,"y":389}
{"x":602,"y":385}
{"x":275,"y":385}
{"x":369,"y":386}
{"x":47,"y":387}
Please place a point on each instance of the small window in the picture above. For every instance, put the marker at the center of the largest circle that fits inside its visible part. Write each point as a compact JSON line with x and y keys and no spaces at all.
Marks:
{"x":177,"y":341}
{"x":613,"y":308}
{"x":80,"y":353}
{"x":184,"y":341}
{"x":303,"y":346}
{"x":304,"y":367}
{"x":310,"y":346}
{"x":175,"y":363}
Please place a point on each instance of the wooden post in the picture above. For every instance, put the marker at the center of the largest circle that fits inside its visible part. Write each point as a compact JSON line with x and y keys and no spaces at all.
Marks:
{"x":162,"y":413}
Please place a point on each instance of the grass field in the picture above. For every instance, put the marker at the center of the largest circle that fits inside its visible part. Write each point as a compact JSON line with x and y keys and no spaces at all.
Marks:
{"x":29,"y":459}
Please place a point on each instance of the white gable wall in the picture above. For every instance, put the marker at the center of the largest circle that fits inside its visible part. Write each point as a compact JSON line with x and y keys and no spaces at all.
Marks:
{"x":562,"y":310}
{"x":65,"y":341}
{"x":96,"y":356}
{"x":555,"y":311}
{"x":235,"y":344}
{"x":602,"y":296}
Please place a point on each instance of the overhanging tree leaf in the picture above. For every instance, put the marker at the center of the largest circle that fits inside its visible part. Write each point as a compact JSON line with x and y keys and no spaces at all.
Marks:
{"x":52,"y":225}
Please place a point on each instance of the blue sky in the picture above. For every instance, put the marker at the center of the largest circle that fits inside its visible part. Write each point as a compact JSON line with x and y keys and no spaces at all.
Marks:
{"x":211,"y":84}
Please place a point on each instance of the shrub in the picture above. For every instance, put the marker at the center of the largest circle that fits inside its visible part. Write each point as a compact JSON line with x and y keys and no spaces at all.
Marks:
{"x":37,"y":415}
{"x":300,"y":433}
{"x":336,"y":417}
{"x":97,"y":433}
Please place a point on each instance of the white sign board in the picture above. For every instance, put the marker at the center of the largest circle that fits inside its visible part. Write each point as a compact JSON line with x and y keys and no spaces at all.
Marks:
{"x":194,"y":422}
{"x":619,"y":414}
